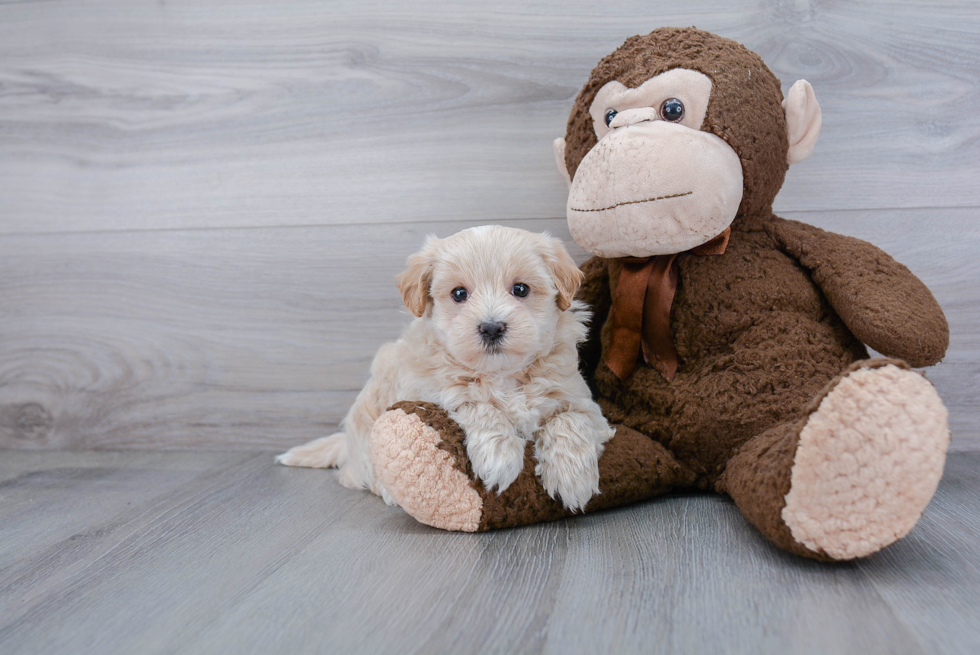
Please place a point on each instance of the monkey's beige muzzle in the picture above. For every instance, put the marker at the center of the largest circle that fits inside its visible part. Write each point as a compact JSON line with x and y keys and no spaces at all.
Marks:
{"x":653,"y":188}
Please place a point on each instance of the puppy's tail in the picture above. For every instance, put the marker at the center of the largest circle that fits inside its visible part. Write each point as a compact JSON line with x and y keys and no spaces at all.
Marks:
{"x":324,"y":453}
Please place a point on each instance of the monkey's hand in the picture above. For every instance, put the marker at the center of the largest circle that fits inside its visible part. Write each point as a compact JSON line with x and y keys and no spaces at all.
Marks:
{"x":881,"y":301}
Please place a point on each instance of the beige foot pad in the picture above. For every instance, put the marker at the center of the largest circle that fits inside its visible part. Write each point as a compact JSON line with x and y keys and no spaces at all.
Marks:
{"x":868,"y":462}
{"x":419,"y":476}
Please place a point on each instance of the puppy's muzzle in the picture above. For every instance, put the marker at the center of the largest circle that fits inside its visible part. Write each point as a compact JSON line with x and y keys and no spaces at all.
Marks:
{"x":492,"y":332}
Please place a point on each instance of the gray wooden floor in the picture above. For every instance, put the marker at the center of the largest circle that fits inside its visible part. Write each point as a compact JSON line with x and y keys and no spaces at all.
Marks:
{"x":150,"y":552}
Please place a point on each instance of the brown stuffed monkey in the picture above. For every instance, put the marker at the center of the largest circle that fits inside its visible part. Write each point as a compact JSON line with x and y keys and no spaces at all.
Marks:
{"x":727,"y":344}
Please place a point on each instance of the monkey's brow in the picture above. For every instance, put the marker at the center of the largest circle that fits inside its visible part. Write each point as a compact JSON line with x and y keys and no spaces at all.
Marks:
{"x":633,"y":202}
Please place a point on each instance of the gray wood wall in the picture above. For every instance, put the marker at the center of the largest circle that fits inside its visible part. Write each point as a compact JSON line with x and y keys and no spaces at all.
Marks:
{"x":203,"y":204}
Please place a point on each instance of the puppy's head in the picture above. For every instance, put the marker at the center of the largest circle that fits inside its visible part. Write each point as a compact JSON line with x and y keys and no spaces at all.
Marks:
{"x":493,"y":294}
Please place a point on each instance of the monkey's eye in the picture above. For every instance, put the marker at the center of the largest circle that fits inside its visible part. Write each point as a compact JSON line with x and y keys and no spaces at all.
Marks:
{"x":610,"y":115}
{"x":520,"y":290}
{"x":460,"y":294}
{"x":672,"y":110}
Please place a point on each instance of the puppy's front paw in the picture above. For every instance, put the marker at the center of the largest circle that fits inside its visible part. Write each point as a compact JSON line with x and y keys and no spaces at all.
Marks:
{"x":568,"y":449}
{"x":574,"y":478}
{"x":497,"y":459}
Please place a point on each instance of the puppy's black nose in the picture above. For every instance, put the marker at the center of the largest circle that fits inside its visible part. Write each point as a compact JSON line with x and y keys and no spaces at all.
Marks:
{"x":492,"y":331}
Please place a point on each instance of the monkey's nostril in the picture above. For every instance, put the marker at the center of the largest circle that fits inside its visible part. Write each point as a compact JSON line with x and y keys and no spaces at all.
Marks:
{"x":492,"y":330}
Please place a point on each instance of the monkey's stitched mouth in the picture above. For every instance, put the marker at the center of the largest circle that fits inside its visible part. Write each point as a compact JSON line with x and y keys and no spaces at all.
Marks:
{"x":634,"y":202}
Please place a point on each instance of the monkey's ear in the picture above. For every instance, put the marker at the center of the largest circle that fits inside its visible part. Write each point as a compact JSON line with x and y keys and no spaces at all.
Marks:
{"x":414,"y":281}
{"x":559,"y":145}
{"x":566,"y":275}
{"x":803,"y":118}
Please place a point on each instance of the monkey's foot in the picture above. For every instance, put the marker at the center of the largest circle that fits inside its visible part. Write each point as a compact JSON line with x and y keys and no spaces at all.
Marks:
{"x":415,"y":451}
{"x":868,"y":462}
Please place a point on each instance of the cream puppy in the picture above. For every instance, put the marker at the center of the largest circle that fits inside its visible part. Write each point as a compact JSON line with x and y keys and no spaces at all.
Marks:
{"x":495,"y":344}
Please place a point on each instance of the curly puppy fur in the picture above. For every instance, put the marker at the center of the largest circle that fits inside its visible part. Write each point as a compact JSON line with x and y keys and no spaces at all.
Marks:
{"x":523,"y":385}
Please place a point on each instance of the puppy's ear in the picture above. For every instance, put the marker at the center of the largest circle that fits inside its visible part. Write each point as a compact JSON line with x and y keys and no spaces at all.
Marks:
{"x":564,"y":272}
{"x":414,"y":281}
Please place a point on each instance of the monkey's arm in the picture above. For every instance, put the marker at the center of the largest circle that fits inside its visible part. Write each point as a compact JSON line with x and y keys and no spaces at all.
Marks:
{"x":879,"y":300}
{"x":596,"y":294}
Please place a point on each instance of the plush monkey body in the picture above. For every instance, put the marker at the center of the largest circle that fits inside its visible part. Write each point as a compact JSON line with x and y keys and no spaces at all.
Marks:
{"x":756,"y":339}
{"x":681,"y":138}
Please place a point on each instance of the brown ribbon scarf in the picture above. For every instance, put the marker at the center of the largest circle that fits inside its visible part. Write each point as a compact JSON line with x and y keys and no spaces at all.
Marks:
{"x":640,"y":315}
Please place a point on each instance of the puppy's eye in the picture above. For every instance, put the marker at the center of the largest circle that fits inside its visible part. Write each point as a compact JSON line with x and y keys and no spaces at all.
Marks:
{"x":610,"y":115}
{"x":672,"y":110}
{"x":460,"y":294}
{"x":520,"y":290}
